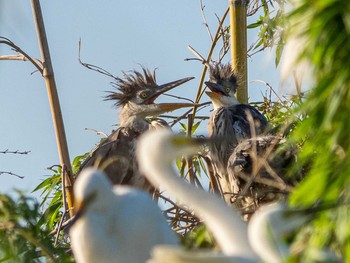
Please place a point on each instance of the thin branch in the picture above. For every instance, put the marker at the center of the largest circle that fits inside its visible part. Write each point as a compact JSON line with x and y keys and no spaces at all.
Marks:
{"x":97,"y":132}
{"x":178,"y":97}
{"x":205,"y":20}
{"x":184,"y":116}
{"x":10,"y":173}
{"x":14,"y":152}
{"x":270,"y":87}
{"x":199,"y":57}
{"x":93,"y":67}
{"x":37,"y":63}
{"x":65,"y":210}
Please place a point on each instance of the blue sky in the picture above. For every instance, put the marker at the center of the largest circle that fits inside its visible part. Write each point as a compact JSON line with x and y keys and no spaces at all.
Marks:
{"x":116,"y":35}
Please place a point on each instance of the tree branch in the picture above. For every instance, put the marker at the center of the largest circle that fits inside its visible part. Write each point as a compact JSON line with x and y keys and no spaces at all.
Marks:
{"x":23,"y":55}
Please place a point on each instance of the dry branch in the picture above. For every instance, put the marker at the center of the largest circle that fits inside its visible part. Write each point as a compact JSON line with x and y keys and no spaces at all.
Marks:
{"x":21,"y":56}
{"x":14,"y":152}
{"x":10,"y":173}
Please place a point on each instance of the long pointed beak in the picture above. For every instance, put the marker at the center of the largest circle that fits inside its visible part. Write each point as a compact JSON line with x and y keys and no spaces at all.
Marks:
{"x":168,"y":86}
{"x":213,"y":95}
{"x":166,"y":107}
{"x":214,"y":87}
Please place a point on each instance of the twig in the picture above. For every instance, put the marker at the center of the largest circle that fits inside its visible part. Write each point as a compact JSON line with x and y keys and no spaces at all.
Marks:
{"x":188,"y":159}
{"x":10,"y":173}
{"x":199,"y":57}
{"x":14,"y":152}
{"x":93,"y":67}
{"x":176,"y":117}
{"x":205,"y":20}
{"x":59,"y":227}
{"x":37,"y":63}
{"x":184,"y":116}
{"x":64,"y":225}
{"x":269,"y":86}
{"x":178,"y":97}
{"x":97,"y":132}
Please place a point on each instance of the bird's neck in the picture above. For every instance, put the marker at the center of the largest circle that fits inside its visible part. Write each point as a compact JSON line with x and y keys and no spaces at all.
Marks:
{"x":226,"y":101}
{"x":132,"y":116}
{"x":227,"y":226}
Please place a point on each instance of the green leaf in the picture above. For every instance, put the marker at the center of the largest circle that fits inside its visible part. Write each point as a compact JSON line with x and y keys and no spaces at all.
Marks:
{"x":254,"y":25}
{"x":279,"y":51}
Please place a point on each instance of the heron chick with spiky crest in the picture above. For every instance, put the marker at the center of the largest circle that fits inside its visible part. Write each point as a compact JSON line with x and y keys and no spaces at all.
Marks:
{"x":230,"y":119}
{"x":135,"y":96}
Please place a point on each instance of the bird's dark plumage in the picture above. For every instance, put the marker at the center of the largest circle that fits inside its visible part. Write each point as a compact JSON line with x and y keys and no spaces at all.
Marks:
{"x":231,"y":120}
{"x":258,"y":166}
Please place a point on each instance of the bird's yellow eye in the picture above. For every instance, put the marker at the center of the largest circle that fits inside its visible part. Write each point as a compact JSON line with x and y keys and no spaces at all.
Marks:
{"x":143,"y":95}
{"x":227,"y":90}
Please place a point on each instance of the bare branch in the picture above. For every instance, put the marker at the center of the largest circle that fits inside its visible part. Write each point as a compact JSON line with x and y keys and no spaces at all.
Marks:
{"x":65,"y":210}
{"x":10,"y":173}
{"x":205,"y":20}
{"x":270,"y":87}
{"x":97,"y":132}
{"x":14,"y":152}
{"x":93,"y":67}
{"x":178,"y":97}
{"x":200,"y":58}
{"x":184,"y":116}
{"x":24,"y":56}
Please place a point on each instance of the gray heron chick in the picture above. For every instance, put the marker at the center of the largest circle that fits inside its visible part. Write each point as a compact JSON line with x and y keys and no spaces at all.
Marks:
{"x":229,"y":119}
{"x":135,"y":97}
{"x":119,"y":224}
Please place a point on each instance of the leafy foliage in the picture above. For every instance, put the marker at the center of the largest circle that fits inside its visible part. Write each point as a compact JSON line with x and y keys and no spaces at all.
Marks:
{"x":325,"y":29}
{"x":23,"y":237}
{"x":51,"y":192}
{"x":271,"y":27}
{"x":24,"y":230}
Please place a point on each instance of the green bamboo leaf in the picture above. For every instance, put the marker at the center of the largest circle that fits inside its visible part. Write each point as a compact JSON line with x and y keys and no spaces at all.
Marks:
{"x":255,"y":25}
{"x":279,"y":51}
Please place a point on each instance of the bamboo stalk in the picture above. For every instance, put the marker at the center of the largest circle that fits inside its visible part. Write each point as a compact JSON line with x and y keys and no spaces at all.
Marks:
{"x":238,"y":32}
{"x":48,"y":75}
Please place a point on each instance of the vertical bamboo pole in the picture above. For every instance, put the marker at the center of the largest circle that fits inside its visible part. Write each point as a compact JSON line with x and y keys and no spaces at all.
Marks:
{"x":238,"y":32}
{"x":48,"y":75}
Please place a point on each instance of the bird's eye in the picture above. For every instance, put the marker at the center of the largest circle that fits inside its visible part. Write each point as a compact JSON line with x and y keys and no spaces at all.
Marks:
{"x":143,"y":95}
{"x":227,"y":90}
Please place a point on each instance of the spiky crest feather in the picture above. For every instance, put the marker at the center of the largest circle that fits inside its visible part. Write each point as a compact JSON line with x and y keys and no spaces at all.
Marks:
{"x":130,"y":84}
{"x":223,"y":72}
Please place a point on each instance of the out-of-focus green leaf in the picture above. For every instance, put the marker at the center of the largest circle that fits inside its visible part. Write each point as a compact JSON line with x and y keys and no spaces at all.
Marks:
{"x":23,"y":237}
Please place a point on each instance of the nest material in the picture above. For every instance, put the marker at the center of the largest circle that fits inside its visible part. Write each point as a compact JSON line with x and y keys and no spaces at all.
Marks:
{"x":258,"y":167}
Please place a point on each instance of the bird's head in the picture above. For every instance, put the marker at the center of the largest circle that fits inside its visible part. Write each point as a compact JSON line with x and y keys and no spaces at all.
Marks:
{"x":222,"y":84}
{"x":139,"y":90}
{"x":88,"y":188}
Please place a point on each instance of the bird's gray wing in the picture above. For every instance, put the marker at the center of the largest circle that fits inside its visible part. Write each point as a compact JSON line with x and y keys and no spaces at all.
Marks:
{"x":116,"y":157}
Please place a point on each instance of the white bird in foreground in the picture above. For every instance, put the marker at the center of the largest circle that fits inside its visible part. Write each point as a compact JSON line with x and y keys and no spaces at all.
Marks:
{"x":260,"y":241}
{"x":119,"y":224}
{"x":156,"y":152}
